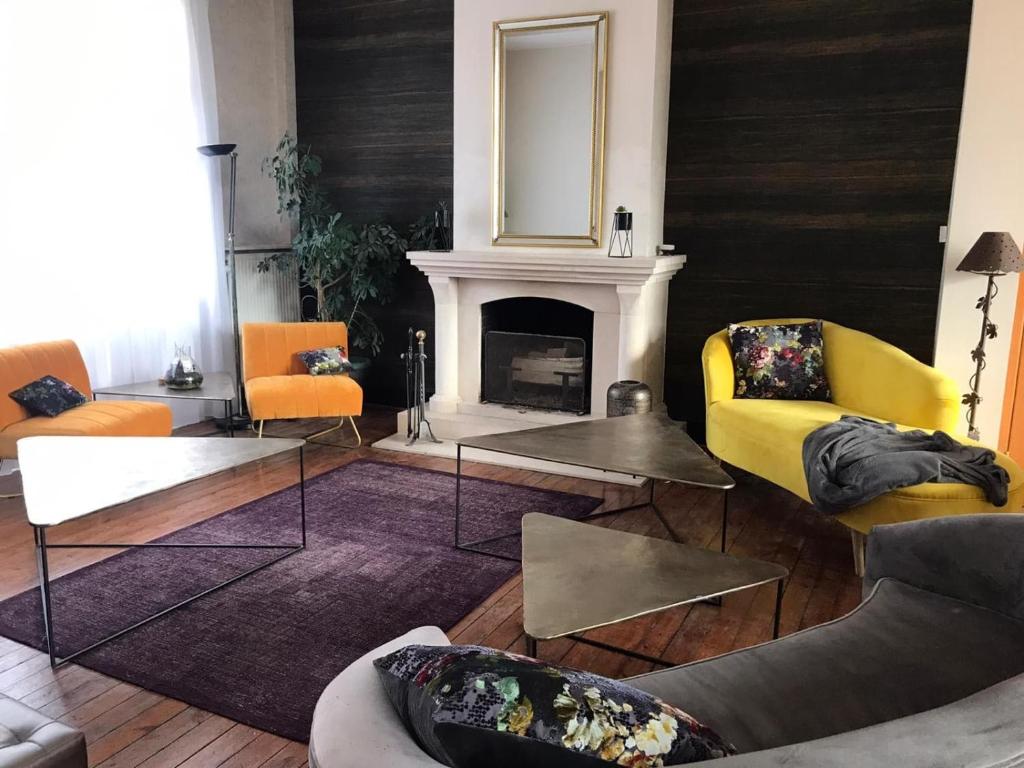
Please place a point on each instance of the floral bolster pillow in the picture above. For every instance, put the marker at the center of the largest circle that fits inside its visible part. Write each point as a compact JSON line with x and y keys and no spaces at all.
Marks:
{"x":468,"y":706}
{"x":325,"y":362}
{"x":779,"y":362}
{"x":48,"y":396}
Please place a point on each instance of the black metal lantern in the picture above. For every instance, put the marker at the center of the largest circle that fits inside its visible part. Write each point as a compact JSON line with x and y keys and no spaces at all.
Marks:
{"x":620,"y":244}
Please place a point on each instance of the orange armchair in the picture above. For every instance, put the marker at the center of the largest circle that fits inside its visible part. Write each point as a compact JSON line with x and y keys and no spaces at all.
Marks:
{"x":120,"y":418}
{"x":277,"y":385}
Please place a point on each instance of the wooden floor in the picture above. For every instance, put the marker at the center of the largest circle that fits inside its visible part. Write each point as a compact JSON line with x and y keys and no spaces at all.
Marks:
{"x":126,"y":726}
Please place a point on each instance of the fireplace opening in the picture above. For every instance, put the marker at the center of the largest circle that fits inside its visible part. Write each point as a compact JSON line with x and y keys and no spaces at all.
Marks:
{"x":537,"y":353}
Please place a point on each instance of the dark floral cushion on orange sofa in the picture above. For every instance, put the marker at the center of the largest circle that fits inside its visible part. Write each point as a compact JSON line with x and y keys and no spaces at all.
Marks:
{"x":48,"y":396}
{"x":470,"y":706}
{"x":779,"y":362}
{"x":329,"y":361}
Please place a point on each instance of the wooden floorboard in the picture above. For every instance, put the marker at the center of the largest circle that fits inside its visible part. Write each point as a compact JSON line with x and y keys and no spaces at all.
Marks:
{"x":127,"y":727}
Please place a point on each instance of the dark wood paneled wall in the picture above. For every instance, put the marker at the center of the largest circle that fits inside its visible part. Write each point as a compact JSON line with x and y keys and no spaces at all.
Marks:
{"x":374,"y":100}
{"x":810,"y":161}
{"x":811,"y":149}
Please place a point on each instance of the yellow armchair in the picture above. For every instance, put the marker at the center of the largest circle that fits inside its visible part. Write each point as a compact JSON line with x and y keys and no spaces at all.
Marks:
{"x":868,"y":377}
{"x":277,"y":384}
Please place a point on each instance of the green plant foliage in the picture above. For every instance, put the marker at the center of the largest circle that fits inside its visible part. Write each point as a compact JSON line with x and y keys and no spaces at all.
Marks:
{"x":344,"y":266}
{"x":421,"y":234}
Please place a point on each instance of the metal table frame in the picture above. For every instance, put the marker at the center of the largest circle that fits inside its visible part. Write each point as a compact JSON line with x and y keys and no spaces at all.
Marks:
{"x":474,"y":546}
{"x":42,"y":547}
{"x":531,"y":642}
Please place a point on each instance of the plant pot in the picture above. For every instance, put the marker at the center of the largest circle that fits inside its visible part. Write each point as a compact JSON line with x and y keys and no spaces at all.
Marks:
{"x":360,"y":369}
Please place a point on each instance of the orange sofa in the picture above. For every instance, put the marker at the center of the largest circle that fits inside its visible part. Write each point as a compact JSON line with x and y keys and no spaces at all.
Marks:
{"x":277,"y":384}
{"x":22,"y":365}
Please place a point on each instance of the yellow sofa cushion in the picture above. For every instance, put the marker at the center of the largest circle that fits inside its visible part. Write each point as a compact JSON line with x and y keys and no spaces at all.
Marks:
{"x":102,"y":418}
{"x":766,"y":437}
{"x":303,"y":397}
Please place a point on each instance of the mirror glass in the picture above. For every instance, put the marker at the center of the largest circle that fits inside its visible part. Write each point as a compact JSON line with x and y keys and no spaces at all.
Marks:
{"x":548,"y":130}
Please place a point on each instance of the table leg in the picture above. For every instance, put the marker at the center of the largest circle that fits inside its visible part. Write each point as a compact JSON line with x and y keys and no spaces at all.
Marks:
{"x":778,"y":609}
{"x":531,"y":647}
{"x":725,"y":517}
{"x":44,"y":591}
{"x":229,"y":425}
{"x":302,"y":492}
{"x":458,"y":488}
{"x":661,"y":516}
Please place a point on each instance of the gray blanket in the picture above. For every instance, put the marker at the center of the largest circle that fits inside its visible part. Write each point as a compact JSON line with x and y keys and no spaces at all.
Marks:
{"x":855,"y":460}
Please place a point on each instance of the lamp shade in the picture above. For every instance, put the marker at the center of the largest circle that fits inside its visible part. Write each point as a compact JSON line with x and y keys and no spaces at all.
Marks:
{"x":994,"y":253}
{"x":215,"y":150}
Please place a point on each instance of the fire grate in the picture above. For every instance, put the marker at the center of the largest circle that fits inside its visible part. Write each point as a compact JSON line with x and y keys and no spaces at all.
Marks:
{"x":535,"y":371}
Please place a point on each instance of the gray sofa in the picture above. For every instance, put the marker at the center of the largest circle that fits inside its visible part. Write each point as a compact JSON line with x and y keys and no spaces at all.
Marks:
{"x":928,"y":672}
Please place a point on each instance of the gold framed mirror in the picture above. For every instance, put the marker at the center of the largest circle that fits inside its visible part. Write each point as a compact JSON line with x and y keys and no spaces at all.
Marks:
{"x":549,"y":93}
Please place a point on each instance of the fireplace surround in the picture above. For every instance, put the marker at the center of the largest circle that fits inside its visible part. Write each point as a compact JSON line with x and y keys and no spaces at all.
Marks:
{"x":627,"y":299}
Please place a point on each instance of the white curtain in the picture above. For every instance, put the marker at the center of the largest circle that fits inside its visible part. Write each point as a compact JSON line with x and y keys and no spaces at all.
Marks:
{"x":111,"y":235}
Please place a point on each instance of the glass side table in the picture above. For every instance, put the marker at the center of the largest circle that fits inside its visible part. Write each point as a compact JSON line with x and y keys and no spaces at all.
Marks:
{"x":216,"y":387}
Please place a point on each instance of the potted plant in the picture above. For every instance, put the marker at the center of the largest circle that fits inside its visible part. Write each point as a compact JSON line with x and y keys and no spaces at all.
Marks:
{"x":341,"y":267}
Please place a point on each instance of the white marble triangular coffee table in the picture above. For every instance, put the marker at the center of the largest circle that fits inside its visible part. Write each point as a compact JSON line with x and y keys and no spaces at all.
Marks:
{"x":67,"y":478}
{"x":578,"y":577}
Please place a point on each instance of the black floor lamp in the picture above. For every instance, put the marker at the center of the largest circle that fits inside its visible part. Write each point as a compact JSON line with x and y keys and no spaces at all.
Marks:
{"x":994,"y":254}
{"x":240,"y":419}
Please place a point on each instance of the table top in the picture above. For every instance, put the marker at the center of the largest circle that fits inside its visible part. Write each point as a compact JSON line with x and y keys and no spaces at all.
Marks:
{"x":646,"y":445}
{"x":216,"y":386}
{"x":65,"y":478}
{"x":578,"y":576}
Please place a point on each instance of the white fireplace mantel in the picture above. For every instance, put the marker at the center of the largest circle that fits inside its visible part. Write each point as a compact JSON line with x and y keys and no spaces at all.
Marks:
{"x":546,"y":267}
{"x":629,"y":299}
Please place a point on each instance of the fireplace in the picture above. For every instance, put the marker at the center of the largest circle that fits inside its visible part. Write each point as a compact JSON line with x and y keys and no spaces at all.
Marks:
{"x":620,"y":303}
{"x":536,"y":353}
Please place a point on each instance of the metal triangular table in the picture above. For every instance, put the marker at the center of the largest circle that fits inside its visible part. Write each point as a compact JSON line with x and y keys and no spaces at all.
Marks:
{"x":67,"y":478}
{"x":578,"y":577}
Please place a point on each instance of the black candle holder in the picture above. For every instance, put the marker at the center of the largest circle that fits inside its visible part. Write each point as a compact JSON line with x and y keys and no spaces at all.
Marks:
{"x":620,"y":244}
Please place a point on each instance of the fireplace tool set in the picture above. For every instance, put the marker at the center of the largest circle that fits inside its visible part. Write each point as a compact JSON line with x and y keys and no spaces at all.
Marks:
{"x":416,"y":390}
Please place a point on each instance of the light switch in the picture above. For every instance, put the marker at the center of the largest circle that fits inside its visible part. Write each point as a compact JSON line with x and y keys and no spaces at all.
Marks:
{"x":943,"y":233}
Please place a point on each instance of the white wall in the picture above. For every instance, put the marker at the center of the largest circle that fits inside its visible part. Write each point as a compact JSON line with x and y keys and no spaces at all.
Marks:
{"x":254,"y":65}
{"x":639,"y":47}
{"x":988,"y":194}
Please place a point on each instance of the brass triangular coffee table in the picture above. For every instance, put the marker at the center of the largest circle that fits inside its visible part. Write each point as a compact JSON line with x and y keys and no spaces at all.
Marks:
{"x":578,"y":577}
{"x":648,"y":445}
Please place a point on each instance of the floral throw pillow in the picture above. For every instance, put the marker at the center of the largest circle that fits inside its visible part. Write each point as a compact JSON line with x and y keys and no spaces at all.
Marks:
{"x":779,"y":362}
{"x":48,"y":396}
{"x":469,"y":706}
{"x":328,"y":361}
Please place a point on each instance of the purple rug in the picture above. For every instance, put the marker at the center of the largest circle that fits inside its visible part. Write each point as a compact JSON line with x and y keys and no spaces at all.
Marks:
{"x":379,"y":561}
